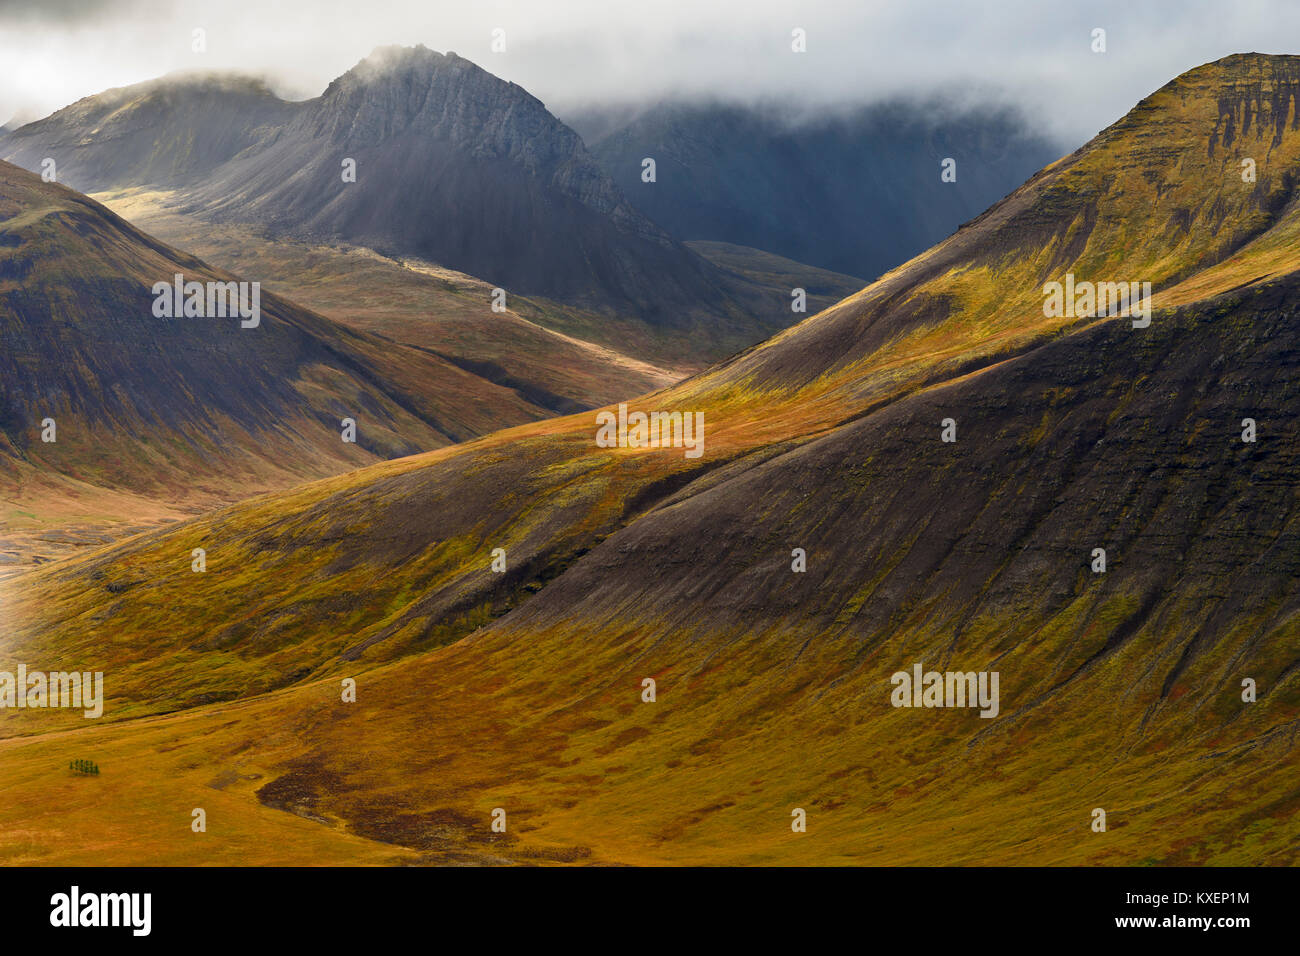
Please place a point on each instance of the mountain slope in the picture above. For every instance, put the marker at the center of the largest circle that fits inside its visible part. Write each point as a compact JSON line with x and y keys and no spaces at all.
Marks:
{"x":423,"y":305}
{"x":169,"y":131}
{"x":191,"y":408}
{"x":1120,"y":690}
{"x":822,"y":287}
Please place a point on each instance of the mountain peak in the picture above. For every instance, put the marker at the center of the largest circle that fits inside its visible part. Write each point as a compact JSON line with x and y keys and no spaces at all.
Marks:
{"x":185,"y":85}
{"x":1226,"y":104}
{"x":398,"y":90}
{"x":1244,"y":63}
{"x":1262,"y":73}
{"x":395,"y":58}
{"x":416,"y":65}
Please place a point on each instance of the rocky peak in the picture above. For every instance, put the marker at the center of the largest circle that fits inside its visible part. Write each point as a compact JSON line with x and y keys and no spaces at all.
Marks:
{"x":445,"y":100}
{"x":415,"y":91}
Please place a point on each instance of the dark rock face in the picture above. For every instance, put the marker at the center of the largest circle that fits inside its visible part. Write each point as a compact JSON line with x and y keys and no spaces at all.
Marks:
{"x":399,"y":92}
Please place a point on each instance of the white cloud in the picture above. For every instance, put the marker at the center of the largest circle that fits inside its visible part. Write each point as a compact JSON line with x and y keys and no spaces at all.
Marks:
{"x":569,"y":52}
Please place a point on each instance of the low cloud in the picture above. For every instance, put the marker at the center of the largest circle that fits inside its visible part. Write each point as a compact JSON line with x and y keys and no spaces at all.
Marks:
{"x":576,"y":53}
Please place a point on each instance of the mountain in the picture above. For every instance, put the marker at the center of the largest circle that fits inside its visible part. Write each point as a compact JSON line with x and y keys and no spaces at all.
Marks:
{"x":856,"y":191}
{"x":164,"y":132}
{"x":454,"y":166}
{"x":522,"y":687}
{"x":189,"y":409}
{"x":421,"y":304}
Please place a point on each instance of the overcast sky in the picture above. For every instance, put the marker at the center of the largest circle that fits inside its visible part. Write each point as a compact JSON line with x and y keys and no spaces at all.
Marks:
{"x":1034,"y":53}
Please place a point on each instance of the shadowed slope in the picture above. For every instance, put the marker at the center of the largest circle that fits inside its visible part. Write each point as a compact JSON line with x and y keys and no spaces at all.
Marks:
{"x":192,"y":408}
{"x":858,"y":191}
{"x":166,"y":131}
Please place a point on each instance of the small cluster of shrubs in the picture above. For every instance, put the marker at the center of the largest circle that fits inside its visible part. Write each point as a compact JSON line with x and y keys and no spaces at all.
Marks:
{"x":83,"y":766}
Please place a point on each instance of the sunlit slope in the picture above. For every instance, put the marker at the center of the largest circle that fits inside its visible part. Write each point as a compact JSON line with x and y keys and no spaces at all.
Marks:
{"x":1120,"y":690}
{"x":193,"y":407}
{"x":1158,"y":197}
{"x":559,"y":356}
{"x":424,"y":305}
